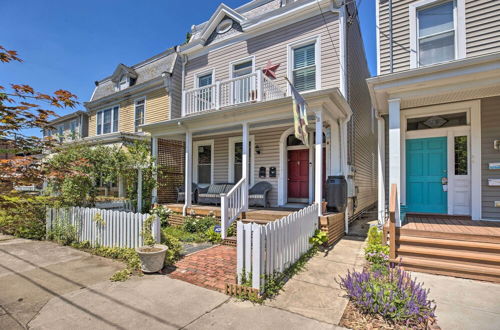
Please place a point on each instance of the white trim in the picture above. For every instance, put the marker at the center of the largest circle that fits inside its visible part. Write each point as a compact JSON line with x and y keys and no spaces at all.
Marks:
{"x":343,"y":51}
{"x":202,"y":143}
{"x":395,"y":151}
{"x":135,"y":105}
{"x":317,"y":59}
{"x":230,"y":171}
{"x":203,"y":73}
{"x":473,"y":109}
{"x":112,"y":119}
{"x":458,"y":22}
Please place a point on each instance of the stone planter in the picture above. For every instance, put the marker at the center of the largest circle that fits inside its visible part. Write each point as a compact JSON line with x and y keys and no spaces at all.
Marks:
{"x":152,"y":258}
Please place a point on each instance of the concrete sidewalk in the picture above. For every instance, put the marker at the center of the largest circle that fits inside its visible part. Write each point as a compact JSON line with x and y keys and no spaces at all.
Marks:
{"x":47,"y":286}
{"x":315,"y":292}
{"x":463,"y":304}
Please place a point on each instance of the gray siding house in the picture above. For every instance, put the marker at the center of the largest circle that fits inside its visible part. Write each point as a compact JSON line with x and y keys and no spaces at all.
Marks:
{"x":236,"y":118}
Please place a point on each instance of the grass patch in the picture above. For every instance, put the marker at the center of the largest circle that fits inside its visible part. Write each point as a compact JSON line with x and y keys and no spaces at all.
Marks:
{"x":183,"y":235}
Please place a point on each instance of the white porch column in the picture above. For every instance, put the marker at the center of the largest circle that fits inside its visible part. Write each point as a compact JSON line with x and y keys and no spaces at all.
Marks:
{"x":154,"y":154}
{"x":395,"y":149}
{"x":139,"y":190}
{"x":381,"y":169}
{"x":318,"y":161}
{"x":244,"y":166}
{"x":188,"y":172}
{"x":335,"y":149}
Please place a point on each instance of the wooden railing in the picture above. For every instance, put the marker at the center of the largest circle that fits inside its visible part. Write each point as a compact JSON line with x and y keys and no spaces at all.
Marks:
{"x":232,"y":205}
{"x":254,"y":87}
{"x":266,"y":249}
{"x":393,"y":213}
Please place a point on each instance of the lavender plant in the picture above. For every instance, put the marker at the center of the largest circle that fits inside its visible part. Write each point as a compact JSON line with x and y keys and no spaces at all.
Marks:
{"x":393,"y":294}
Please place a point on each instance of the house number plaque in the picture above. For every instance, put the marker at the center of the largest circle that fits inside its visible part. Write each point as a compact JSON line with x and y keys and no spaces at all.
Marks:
{"x":494,"y":182}
{"x":494,"y":166}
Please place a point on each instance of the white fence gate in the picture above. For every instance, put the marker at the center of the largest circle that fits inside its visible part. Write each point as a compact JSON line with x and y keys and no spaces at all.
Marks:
{"x":103,"y":227}
{"x":263,"y":250}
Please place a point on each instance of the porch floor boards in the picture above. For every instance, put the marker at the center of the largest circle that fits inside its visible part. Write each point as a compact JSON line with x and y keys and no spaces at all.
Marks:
{"x":450,"y":224}
{"x":253,"y":213}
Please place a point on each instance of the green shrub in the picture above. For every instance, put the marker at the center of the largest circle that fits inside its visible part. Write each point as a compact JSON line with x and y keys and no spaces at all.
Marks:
{"x":62,"y":232}
{"x":180,"y":234}
{"x":163,"y":213}
{"x":199,"y":225}
{"x":376,"y":253}
{"x":24,"y":215}
{"x":212,"y":236}
{"x":174,"y":248}
{"x":319,"y":238}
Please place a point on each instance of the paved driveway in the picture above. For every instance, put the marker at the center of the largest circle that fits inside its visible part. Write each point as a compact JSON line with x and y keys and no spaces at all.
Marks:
{"x":47,"y":286}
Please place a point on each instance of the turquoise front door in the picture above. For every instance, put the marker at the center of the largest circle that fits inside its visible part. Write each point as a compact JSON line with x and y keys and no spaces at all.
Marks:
{"x":426,"y":165}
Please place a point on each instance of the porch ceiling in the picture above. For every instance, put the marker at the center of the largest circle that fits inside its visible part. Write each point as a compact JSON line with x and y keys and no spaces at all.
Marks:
{"x":257,"y":115}
{"x":461,"y":80}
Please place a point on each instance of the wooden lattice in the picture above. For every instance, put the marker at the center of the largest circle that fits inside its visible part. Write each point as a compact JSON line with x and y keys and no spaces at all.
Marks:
{"x":170,"y":169}
{"x":233,"y":289}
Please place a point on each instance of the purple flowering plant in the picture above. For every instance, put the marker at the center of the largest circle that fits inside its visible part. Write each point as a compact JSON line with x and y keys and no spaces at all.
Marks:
{"x":393,"y":294}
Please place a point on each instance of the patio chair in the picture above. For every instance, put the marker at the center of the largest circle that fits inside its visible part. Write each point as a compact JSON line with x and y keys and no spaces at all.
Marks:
{"x":258,"y":194}
{"x":181,"y":193}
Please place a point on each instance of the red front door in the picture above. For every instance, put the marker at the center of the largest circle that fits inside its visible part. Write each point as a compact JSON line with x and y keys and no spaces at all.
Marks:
{"x":298,"y":174}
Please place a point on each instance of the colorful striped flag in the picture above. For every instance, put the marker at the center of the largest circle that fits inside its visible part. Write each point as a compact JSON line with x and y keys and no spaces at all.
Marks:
{"x":299,"y":115}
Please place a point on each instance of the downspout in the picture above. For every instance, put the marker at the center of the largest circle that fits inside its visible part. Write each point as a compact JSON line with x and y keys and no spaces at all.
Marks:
{"x":391,"y":63}
{"x":184,"y":60}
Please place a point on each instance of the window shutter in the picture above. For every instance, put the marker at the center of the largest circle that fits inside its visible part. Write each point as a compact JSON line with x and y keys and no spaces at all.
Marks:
{"x":304,"y":64}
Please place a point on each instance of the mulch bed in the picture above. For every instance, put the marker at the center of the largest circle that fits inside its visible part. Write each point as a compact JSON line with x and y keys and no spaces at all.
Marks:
{"x":354,"y":319}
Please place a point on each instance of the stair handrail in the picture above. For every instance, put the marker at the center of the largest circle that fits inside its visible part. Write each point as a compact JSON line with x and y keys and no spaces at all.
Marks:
{"x":393,"y":208}
{"x":232,"y":205}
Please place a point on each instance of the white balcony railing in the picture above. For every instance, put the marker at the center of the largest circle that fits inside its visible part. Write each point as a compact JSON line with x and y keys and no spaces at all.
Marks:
{"x":250,"y":88}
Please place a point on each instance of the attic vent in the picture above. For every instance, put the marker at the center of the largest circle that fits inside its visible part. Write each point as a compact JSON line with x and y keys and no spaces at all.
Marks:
{"x":224,"y":26}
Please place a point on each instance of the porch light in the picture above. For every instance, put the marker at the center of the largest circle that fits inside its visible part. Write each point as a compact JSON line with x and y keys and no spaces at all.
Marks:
{"x":257,"y":149}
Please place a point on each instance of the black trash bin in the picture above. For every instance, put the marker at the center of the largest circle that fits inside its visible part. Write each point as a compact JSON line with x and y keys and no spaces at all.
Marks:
{"x":336,"y":193}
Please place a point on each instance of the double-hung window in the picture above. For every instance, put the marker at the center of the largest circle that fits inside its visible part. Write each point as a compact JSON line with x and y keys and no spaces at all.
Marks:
{"x":107,"y":121}
{"x":74,"y":128}
{"x":436,"y":33}
{"x":139,"y":113}
{"x":304,"y":67}
{"x":204,"y":95}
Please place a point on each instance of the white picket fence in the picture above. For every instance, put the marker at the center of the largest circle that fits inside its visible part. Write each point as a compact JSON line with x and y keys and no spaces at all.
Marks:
{"x":264,"y":250}
{"x":103,"y":227}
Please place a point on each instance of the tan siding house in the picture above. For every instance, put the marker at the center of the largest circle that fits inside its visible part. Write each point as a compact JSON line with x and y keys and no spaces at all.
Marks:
{"x":235,"y":91}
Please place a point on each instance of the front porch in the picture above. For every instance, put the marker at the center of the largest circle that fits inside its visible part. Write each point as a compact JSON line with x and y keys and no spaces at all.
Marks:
{"x":447,"y":245}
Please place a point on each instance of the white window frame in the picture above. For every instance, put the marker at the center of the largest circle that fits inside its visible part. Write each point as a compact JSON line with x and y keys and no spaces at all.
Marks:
{"x":196,"y":82}
{"x":242,"y":60}
{"x":76,"y":133}
{"x":112,"y":119}
{"x":135,"y":113}
{"x":232,"y":141}
{"x":458,"y":16}
{"x":203,"y":143}
{"x":317,"y":59}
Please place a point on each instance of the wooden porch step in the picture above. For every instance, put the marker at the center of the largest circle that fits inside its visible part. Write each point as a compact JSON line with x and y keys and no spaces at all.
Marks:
{"x":451,"y":253}
{"x":450,"y":268}
{"x":447,"y":235}
{"x":449,"y":243}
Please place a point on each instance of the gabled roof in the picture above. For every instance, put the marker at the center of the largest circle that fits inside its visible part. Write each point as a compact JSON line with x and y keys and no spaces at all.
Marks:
{"x":121,"y":69}
{"x":222,"y":11}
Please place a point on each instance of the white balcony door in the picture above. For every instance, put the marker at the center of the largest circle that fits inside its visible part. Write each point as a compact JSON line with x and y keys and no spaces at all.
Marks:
{"x":242,"y":89}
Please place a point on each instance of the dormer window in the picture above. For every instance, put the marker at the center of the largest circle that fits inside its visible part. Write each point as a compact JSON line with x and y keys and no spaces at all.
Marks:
{"x":123,"y":82}
{"x":123,"y":77}
{"x":224,"y":26}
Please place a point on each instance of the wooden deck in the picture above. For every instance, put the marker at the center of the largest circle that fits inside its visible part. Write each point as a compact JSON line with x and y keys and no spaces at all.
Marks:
{"x":449,"y":245}
{"x":253,"y":213}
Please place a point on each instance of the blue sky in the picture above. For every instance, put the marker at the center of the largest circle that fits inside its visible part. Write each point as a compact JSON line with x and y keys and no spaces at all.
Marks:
{"x":70,"y":44}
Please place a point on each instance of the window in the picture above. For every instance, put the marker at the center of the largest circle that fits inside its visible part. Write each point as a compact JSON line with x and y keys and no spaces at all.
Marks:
{"x":304,"y":67}
{"x":461,"y":155}
{"x":107,"y":121}
{"x":203,"y":158}
{"x":123,"y":83}
{"x":446,"y":120}
{"x":242,"y":69}
{"x":205,"y":80}
{"x":60,"y":132}
{"x":436,"y":33}
{"x":238,"y":160}
{"x":73,"y":127}
{"x":139,"y":113}
{"x":243,"y":88}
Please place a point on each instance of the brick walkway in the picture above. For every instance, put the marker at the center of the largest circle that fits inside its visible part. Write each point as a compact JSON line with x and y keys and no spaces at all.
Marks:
{"x":210,"y":268}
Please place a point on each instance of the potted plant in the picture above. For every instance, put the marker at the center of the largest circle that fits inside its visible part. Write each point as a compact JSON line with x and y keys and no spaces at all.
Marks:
{"x":152,"y":255}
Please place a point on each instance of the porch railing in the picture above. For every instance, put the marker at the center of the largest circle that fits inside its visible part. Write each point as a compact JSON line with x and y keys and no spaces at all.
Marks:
{"x":232,"y":205}
{"x":266,"y":249}
{"x":254,"y":87}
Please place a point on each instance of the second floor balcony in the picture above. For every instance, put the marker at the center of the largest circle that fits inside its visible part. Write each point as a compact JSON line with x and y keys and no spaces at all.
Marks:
{"x":251,"y":88}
